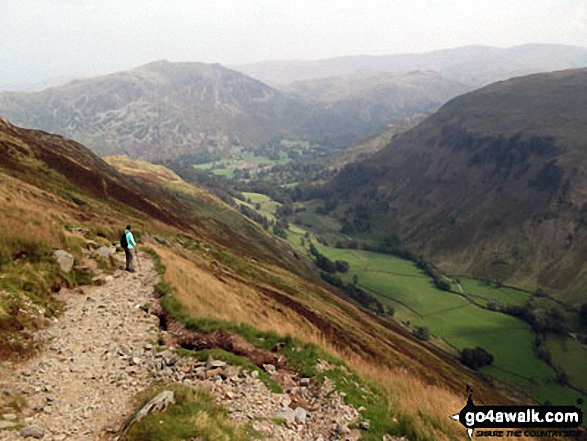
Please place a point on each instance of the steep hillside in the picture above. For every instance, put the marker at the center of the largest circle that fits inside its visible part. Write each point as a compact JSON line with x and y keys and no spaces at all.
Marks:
{"x":198,"y":112}
{"x":492,"y":185}
{"x":472,"y":65}
{"x":224,"y":275}
{"x":381,"y":96}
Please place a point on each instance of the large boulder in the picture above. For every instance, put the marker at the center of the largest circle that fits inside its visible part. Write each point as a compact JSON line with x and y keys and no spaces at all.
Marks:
{"x":64,"y":259}
{"x":285,"y":413}
{"x":7,"y":425}
{"x":32,"y":431}
{"x":105,"y":252}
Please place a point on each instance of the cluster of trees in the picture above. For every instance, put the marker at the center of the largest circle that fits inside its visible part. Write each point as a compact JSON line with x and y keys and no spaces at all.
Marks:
{"x":328,"y":207}
{"x":255,"y":216}
{"x":583,"y":316}
{"x":476,"y":358}
{"x":439,"y":280}
{"x":325,"y":264}
{"x":421,"y":332}
{"x":201,"y":157}
{"x":279,"y":228}
{"x":330,"y":268}
{"x":543,"y":322}
{"x":357,"y":294}
{"x":297,"y":170}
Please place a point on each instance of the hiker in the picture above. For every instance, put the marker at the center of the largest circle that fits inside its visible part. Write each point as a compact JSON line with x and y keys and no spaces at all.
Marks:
{"x":127,"y":241}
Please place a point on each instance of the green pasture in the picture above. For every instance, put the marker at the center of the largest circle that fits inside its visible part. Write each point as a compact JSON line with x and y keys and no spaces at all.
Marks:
{"x":324,"y":225}
{"x":453,"y":318}
{"x":485,"y":292}
{"x":268,"y":205}
{"x":571,"y":356}
{"x":294,"y":236}
{"x":251,"y":162}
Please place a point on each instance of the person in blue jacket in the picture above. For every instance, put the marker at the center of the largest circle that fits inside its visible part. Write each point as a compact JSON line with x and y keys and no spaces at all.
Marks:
{"x":130,"y":249}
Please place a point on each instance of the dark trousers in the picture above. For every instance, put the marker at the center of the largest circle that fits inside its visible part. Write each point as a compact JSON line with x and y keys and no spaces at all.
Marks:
{"x":129,"y":254}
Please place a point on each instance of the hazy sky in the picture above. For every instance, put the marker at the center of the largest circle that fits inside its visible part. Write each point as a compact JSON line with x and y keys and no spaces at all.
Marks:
{"x":40,"y":39}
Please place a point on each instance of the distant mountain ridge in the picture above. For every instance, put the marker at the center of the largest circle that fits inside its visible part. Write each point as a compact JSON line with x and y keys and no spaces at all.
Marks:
{"x":493,"y":184}
{"x":472,"y":65}
{"x":159,"y":110}
{"x":167,"y":110}
{"x":381,"y":95}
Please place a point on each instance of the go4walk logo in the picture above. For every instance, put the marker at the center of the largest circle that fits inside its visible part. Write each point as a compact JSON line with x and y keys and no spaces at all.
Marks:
{"x":518,"y":421}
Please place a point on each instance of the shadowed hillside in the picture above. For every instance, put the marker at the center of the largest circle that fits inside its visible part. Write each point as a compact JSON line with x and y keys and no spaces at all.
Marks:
{"x":491,"y":185}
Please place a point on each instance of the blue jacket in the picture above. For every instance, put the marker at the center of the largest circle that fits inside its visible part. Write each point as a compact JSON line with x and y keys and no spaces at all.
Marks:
{"x":130,"y":240}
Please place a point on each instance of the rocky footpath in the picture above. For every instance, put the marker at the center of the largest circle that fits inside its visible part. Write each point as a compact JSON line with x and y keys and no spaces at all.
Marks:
{"x":304,"y":411}
{"x":81,"y":383}
{"x":102,"y":352}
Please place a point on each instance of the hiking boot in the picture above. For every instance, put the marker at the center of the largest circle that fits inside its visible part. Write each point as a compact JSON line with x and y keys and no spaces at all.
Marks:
{"x":131,"y":271}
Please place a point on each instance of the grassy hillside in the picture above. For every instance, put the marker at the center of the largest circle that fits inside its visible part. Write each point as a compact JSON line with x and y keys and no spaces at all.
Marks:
{"x":222,"y":272}
{"x":492,"y":185}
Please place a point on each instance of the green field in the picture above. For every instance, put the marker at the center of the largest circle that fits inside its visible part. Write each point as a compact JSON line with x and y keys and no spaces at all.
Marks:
{"x":325,"y":226}
{"x":455,"y":320}
{"x":571,"y":356}
{"x":485,"y":292}
{"x":268,"y":205}
{"x":295,"y":235}
{"x":445,"y":314}
{"x":253,"y":163}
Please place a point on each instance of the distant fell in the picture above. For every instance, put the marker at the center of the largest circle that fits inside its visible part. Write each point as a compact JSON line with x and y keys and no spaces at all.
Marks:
{"x":160,"y":110}
{"x":190,"y":111}
{"x":472,"y":65}
{"x":381,"y":95}
{"x":492,"y":185}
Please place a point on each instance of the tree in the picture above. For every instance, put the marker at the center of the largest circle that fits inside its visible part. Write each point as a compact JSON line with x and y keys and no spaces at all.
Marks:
{"x":583,"y":316}
{"x":325,"y":263}
{"x":313,"y":250}
{"x":422,"y":333}
{"x":476,"y":358}
{"x":442,"y":284}
{"x":342,"y":266}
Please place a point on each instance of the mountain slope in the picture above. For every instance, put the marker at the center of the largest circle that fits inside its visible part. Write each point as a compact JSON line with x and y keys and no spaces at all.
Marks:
{"x":193,"y":110}
{"x":472,"y":65}
{"x":381,"y":96}
{"x":222,"y":271}
{"x":160,"y":110}
{"x":492,"y":185}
